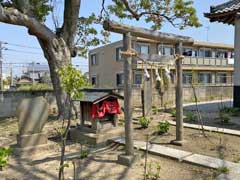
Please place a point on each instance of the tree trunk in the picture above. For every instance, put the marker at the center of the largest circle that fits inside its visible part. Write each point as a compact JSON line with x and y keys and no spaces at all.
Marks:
{"x":58,"y":55}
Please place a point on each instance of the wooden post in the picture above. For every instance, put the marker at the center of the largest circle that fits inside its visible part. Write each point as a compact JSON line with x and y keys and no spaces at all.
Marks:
{"x":236,"y":90}
{"x":128,"y":94}
{"x":179,"y":97}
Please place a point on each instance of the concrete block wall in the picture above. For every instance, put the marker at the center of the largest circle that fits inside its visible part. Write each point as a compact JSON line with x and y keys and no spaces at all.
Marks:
{"x":9,"y":100}
{"x":204,"y":93}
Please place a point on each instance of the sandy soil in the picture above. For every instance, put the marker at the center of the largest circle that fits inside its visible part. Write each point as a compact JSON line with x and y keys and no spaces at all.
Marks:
{"x":214,"y":144}
{"x":101,"y":166}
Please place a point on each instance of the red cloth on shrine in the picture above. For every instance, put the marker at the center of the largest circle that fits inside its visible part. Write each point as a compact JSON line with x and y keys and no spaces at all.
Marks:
{"x":112,"y":107}
{"x":97,"y":111}
{"x":107,"y":107}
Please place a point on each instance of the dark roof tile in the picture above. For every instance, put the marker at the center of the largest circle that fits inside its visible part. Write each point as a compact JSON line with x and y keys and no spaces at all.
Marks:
{"x":226,"y":7}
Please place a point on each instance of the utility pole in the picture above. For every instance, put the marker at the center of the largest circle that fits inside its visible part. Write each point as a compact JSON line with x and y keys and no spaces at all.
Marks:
{"x":32,"y":73}
{"x":11,"y":74}
{"x":1,"y":69}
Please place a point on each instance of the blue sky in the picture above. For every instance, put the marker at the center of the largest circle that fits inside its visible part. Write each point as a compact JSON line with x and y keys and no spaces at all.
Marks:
{"x":18,"y":35}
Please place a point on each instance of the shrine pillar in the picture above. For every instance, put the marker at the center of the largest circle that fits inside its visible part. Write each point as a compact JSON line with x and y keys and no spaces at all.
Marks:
{"x":236,"y":89}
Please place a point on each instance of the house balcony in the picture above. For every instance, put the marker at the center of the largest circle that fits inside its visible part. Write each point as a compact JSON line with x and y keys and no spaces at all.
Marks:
{"x":189,"y":63}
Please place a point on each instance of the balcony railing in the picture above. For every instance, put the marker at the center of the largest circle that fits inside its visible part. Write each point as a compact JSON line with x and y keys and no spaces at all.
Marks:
{"x":200,"y":61}
{"x":207,"y":61}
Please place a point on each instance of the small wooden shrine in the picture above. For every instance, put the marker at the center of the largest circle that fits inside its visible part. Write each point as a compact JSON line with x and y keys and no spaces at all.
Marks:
{"x":99,"y":109}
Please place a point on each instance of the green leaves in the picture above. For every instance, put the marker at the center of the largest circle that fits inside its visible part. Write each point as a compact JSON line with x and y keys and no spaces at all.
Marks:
{"x":88,"y":35}
{"x":179,"y":13}
{"x":72,"y":81}
{"x":34,"y":8}
{"x":4,"y":154}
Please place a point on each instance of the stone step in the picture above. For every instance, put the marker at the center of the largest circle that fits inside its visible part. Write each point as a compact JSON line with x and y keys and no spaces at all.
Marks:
{"x":188,"y":157}
{"x":208,"y":128}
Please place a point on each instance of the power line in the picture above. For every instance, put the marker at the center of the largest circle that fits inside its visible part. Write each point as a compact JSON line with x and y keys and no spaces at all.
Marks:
{"x":18,"y":51}
{"x":21,"y":45}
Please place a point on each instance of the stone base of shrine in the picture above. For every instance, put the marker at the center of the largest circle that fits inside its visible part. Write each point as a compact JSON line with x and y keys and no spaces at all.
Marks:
{"x":96,"y":139}
{"x":32,"y":151}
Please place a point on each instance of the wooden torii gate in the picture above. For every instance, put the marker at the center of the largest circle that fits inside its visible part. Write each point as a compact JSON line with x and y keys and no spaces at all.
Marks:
{"x":128,"y":32}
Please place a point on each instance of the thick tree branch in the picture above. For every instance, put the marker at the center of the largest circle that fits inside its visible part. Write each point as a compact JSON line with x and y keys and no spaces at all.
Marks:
{"x":137,"y":15}
{"x":71,"y":13}
{"x":132,"y":11}
{"x":15,"y":17}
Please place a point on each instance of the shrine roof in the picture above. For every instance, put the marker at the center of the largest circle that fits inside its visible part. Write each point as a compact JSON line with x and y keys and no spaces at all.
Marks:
{"x":225,"y":12}
{"x":97,"y":95}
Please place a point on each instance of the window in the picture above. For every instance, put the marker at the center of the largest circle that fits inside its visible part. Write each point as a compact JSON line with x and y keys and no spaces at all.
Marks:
{"x":165,"y":50}
{"x":204,"y":78}
{"x":142,"y":48}
{"x":118,"y":53}
{"x":194,"y":53}
{"x":138,"y":79}
{"x":207,"y":53}
{"x":187,"y":78}
{"x":230,"y":54}
{"x":221,"y":78}
{"x":120,"y":79}
{"x":201,"y":53}
{"x":190,"y":52}
{"x":187,"y":52}
{"x":94,"y":80}
{"x":213,"y":54}
{"x":222,"y":54}
{"x":93,"y":58}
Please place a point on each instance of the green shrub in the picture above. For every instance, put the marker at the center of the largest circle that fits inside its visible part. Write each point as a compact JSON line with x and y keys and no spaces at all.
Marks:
{"x":173,"y":112}
{"x":144,"y":122}
{"x":163,"y":127}
{"x":4,"y":154}
{"x":84,"y":154}
{"x":34,"y":87}
{"x":191,"y":116}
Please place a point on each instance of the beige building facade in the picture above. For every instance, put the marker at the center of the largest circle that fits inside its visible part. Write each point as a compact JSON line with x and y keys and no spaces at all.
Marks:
{"x":204,"y":63}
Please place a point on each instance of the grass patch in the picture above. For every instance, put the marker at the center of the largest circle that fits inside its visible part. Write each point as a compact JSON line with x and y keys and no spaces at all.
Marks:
{"x":223,"y":170}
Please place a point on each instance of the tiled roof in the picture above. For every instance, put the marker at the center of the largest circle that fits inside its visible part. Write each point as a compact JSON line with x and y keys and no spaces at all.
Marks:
{"x":226,"y":7}
{"x":225,"y":12}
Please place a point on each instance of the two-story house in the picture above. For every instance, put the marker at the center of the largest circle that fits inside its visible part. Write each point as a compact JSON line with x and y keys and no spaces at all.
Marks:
{"x":204,"y":63}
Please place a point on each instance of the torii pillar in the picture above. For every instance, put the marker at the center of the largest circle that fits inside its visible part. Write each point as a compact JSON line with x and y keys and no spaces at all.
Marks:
{"x":236,"y":90}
